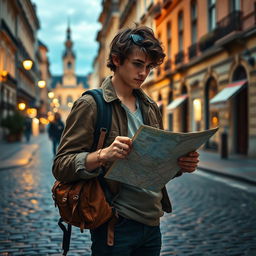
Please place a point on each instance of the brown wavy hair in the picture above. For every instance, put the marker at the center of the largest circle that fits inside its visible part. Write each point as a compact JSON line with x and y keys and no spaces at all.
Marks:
{"x":122,"y":46}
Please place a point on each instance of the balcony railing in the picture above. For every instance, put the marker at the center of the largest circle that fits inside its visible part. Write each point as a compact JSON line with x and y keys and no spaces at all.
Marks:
{"x":157,"y":11}
{"x":167,"y":65}
{"x":232,"y":22}
{"x":166,"y":3}
{"x":192,"y":50}
{"x":179,"y":57}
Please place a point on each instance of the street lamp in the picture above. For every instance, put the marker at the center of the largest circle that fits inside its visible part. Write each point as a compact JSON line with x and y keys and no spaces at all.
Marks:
{"x":50,"y":95}
{"x":41,"y":84}
{"x":27,"y":64}
{"x":3,"y":75}
{"x":21,"y":106}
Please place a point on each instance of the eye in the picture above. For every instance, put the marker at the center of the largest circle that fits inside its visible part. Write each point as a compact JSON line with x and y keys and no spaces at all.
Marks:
{"x":138,"y":64}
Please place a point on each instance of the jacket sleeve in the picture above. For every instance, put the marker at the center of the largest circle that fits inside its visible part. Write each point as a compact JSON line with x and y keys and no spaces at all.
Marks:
{"x":76,"y":142}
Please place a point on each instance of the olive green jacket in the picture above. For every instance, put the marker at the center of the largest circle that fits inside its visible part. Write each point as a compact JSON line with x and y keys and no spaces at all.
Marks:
{"x":77,"y":137}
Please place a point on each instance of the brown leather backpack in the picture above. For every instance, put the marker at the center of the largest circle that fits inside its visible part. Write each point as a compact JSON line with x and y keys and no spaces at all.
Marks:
{"x":82,"y":203}
{"x":86,"y":203}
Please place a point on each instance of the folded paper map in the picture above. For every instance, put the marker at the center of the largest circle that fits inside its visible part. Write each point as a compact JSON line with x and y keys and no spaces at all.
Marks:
{"x":152,"y":161}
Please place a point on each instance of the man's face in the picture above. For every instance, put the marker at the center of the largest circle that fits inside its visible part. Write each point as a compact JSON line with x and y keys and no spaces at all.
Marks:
{"x":135,"y":68}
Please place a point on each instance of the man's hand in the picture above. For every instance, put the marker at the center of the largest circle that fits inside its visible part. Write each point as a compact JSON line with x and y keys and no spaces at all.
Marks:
{"x":119,"y":149}
{"x":189,"y":162}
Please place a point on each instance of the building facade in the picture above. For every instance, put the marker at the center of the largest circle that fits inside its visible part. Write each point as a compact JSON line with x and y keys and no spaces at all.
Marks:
{"x":18,"y":47}
{"x":68,"y":87}
{"x":208,"y":78}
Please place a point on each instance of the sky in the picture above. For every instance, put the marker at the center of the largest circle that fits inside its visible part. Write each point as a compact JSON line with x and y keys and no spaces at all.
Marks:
{"x":83,"y":15}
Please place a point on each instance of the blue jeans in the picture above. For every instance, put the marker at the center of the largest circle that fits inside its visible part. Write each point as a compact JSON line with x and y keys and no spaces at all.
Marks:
{"x":131,"y":239}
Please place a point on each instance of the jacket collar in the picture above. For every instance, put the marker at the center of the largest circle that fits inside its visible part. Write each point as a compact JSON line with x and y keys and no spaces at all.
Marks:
{"x":109,"y":93}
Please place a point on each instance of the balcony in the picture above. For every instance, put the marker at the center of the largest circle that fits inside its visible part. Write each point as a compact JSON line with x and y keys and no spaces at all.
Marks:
{"x":229,"y":24}
{"x":192,"y":50}
{"x":232,"y":22}
{"x":126,"y":12}
{"x":207,"y":40}
{"x":166,"y":3}
{"x":179,"y":57}
{"x":167,"y":65}
{"x":157,"y":11}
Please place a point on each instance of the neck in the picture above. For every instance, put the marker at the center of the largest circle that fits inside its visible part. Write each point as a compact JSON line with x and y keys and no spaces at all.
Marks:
{"x":123,"y":91}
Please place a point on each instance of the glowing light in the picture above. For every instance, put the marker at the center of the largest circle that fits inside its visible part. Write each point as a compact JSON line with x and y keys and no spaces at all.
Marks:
{"x":215,"y":121}
{"x":41,"y":84}
{"x":32,"y":112}
{"x":27,"y":64}
{"x":197,"y":109}
{"x":21,"y":106}
{"x":35,"y":120}
{"x":50,"y":95}
{"x":55,"y":110}
{"x":43,"y":120}
{"x":70,"y":104}
{"x":55,"y":101}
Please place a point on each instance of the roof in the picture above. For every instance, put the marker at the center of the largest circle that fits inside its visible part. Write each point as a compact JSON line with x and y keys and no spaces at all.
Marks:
{"x":55,"y":80}
{"x":83,"y":80}
{"x":80,"y":79}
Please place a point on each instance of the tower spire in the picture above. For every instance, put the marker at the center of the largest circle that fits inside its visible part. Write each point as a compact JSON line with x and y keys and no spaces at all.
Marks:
{"x":68,"y":30}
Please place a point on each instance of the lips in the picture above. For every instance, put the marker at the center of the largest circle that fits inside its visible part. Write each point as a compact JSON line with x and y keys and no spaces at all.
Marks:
{"x":139,"y":80}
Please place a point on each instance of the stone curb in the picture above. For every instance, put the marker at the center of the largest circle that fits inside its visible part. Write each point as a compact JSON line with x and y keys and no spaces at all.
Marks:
{"x":225,"y":174}
{"x":21,"y":159}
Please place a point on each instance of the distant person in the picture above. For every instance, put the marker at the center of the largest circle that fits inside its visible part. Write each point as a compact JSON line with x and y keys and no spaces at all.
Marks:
{"x":55,"y":130}
{"x":27,"y":128}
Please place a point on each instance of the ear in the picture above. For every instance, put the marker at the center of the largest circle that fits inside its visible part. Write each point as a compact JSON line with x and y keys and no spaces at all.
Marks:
{"x":116,"y":60}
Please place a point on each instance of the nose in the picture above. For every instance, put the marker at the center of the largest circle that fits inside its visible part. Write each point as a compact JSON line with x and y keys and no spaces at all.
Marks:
{"x":143,"y":72}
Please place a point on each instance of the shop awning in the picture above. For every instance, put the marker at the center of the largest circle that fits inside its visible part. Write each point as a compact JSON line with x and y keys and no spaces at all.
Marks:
{"x":228,"y":92}
{"x":177,"y":102}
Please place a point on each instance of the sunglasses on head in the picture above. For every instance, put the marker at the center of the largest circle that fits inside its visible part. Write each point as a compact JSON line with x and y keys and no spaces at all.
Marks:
{"x":137,"y":39}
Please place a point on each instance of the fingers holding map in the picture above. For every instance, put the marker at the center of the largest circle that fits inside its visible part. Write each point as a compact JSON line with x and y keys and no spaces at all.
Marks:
{"x":152,"y":161}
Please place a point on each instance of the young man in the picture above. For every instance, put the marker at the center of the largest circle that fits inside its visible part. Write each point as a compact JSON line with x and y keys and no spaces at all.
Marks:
{"x":133,"y":54}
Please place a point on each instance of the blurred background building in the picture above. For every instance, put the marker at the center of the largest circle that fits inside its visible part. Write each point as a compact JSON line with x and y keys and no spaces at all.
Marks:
{"x":24,"y":69}
{"x":67,"y":88}
{"x":208,"y":78}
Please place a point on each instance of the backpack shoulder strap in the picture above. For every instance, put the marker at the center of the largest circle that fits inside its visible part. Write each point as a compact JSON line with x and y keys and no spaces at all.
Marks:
{"x":104,"y":117}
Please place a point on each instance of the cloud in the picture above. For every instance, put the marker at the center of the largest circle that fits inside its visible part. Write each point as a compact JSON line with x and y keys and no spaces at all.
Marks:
{"x":83,"y":15}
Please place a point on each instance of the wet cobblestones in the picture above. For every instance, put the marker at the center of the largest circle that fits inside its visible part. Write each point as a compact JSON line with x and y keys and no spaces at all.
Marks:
{"x":208,"y":218}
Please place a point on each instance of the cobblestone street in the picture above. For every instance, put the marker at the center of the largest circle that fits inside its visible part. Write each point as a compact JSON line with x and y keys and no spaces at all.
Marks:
{"x":209,"y":217}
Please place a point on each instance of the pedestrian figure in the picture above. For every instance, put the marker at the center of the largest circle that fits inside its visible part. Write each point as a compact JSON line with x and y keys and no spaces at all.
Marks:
{"x":55,"y":130}
{"x":133,"y":54}
{"x":27,"y":128}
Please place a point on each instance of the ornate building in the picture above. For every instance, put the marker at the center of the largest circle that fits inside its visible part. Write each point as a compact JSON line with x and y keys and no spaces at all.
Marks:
{"x":68,"y":87}
{"x":208,"y":78}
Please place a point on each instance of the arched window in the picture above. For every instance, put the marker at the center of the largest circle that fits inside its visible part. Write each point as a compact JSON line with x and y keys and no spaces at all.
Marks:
{"x":69,"y":99}
{"x":69,"y":65}
{"x":211,"y":116}
{"x":239,"y":74}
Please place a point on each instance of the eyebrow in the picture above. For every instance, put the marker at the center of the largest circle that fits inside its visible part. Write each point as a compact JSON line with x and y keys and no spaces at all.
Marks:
{"x":139,"y":60}
{"x":143,"y":62}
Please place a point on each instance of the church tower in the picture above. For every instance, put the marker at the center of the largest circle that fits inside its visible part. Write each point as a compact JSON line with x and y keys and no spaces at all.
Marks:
{"x":69,"y":58}
{"x":69,"y":86}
